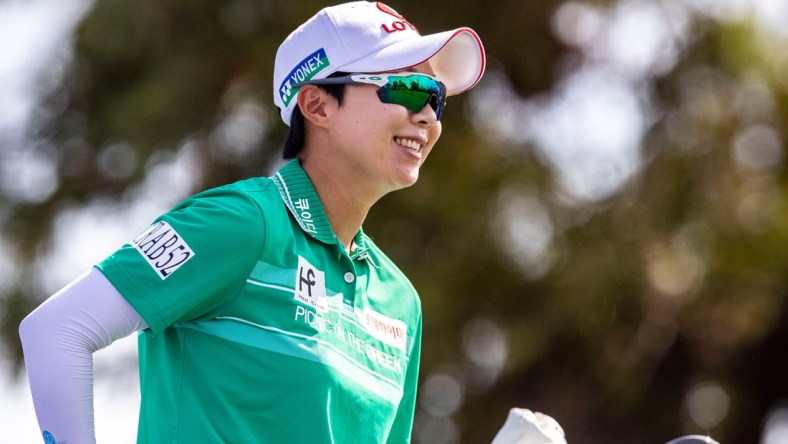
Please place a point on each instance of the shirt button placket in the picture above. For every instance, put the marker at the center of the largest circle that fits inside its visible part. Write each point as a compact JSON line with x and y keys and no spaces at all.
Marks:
{"x":350,"y":282}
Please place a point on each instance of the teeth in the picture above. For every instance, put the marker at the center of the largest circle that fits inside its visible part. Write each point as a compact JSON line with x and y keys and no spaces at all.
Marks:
{"x":410,"y":144}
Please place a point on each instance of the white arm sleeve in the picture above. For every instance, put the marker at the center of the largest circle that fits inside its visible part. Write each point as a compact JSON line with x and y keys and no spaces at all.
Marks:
{"x":59,"y":338}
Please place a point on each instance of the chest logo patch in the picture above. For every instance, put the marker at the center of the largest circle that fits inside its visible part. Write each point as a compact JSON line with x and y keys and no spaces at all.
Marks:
{"x":163,"y":248}
{"x":391,"y":331}
{"x":310,"y":285}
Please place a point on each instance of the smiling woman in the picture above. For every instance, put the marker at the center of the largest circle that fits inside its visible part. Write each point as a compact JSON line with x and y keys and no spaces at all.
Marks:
{"x":617,"y":187}
{"x":273,"y":273}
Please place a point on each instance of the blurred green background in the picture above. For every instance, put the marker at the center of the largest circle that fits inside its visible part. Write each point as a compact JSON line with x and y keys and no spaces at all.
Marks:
{"x":601,"y":233}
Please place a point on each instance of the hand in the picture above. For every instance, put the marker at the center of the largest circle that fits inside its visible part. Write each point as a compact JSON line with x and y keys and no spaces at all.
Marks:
{"x":526,"y":427}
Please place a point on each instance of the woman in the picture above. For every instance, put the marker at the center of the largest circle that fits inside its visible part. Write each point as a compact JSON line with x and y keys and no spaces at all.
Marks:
{"x":267,"y":315}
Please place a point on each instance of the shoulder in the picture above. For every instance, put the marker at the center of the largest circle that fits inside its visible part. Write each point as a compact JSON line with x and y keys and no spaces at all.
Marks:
{"x":250,"y":188}
{"x":249,"y":197}
{"x":234,"y":215}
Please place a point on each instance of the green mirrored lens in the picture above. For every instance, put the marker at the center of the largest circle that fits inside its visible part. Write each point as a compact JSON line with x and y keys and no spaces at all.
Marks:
{"x":414,"y":92}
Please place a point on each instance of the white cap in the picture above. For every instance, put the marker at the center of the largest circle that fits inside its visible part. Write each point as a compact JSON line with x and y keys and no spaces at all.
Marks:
{"x":370,"y":37}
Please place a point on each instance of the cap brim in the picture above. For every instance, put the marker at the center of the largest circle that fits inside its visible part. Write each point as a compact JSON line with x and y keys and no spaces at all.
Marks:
{"x":457,"y":58}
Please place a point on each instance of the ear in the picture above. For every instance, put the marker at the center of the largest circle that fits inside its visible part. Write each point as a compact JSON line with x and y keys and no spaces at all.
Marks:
{"x":315,"y":104}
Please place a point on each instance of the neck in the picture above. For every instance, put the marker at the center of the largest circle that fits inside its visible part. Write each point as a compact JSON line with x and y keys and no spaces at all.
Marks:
{"x":345,"y":205}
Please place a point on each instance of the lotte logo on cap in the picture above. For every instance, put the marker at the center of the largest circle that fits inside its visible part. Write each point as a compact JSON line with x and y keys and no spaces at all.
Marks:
{"x":398,"y":25}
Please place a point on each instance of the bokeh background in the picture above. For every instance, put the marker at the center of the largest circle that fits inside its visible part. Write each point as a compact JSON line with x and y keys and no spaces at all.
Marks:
{"x":601,"y":233}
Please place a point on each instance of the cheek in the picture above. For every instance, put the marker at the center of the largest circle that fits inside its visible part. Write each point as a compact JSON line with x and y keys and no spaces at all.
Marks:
{"x":372,"y":118}
{"x":435,"y":132}
{"x":433,"y":135}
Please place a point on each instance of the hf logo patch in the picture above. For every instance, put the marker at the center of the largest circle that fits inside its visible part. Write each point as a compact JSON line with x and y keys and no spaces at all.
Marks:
{"x":310,"y":285}
{"x":163,"y":248}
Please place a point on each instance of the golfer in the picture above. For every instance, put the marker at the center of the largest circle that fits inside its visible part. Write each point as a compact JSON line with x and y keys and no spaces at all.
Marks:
{"x":266,"y":314}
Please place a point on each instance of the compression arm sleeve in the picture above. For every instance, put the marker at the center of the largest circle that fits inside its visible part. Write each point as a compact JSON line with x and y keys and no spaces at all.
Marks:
{"x":59,"y":338}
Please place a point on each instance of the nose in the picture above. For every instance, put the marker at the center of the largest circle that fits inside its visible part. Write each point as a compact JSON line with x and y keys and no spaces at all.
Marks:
{"x":426,"y":117}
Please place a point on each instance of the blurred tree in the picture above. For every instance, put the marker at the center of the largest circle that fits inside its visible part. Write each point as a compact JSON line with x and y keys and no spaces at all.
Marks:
{"x":636,"y":309}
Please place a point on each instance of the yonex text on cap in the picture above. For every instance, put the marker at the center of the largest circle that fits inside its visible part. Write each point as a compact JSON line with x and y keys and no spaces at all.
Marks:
{"x":370,"y":37}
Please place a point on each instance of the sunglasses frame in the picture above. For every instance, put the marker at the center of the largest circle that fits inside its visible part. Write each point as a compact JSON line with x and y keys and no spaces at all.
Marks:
{"x":381,"y":80}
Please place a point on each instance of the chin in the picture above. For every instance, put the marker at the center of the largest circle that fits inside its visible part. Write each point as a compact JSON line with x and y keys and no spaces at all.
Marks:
{"x":411,"y":179}
{"x":404,"y":182}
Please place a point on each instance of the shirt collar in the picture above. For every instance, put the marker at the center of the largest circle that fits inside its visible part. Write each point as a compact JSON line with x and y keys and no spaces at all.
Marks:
{"x":359,"y":249}
{"x":301,"y":199}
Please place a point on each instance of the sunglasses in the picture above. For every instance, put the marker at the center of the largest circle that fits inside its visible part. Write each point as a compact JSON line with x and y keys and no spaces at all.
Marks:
{"x":413,"y":91}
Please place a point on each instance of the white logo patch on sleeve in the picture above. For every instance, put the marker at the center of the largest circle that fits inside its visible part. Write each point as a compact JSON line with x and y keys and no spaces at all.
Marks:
{"x":163,"y":248}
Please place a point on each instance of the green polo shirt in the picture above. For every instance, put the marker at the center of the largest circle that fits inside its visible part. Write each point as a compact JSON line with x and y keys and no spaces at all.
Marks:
{"x":262,"y":328}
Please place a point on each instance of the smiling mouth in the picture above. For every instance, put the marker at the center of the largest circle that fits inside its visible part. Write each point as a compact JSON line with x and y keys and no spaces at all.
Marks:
{"x":409,"y":144}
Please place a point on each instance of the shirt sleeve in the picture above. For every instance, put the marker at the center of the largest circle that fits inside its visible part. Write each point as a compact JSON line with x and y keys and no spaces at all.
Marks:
{"x":192,"y":262}
{"x":403,"y":423}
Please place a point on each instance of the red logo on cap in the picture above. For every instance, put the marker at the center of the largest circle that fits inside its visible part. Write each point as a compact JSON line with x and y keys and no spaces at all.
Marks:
{"x":389,"y":10}
{"x":398,"y":25}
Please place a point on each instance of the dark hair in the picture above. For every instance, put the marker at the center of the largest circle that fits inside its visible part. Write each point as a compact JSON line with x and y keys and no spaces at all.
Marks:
{"x":297,"y":134}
